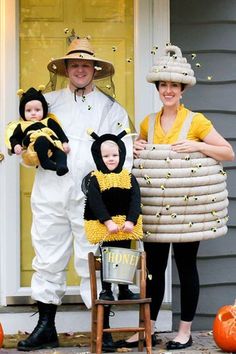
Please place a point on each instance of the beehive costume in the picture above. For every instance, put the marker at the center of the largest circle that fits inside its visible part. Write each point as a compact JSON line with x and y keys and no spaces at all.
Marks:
{"x":41,"y":140}
{"x":184,"y":196}
{"x":111,"y":195}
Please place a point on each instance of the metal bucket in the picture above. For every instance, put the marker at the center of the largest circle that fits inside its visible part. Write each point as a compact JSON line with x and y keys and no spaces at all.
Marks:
{"x":119,"y":264}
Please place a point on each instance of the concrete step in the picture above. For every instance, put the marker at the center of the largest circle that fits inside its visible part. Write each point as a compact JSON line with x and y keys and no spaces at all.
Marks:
{"x":74,"y":318}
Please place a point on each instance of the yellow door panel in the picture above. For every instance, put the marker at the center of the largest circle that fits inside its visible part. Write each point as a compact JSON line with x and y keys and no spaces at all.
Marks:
{"x":44,"y":28}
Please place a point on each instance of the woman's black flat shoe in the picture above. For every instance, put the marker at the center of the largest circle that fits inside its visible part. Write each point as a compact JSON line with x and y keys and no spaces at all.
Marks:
{"x":123,"y":344}
{"x":172,"y":345}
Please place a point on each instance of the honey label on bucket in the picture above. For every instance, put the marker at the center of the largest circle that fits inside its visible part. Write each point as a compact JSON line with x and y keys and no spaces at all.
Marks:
{"x":125,"y":258}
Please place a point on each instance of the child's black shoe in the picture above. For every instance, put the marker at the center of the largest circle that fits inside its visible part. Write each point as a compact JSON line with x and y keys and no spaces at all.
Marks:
{"x":126,"y":294}
{"x":106,"y":295}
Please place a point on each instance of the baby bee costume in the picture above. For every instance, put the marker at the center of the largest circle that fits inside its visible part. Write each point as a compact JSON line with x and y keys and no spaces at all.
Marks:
{"x":111,"y":195}
{"x":41,"y":140}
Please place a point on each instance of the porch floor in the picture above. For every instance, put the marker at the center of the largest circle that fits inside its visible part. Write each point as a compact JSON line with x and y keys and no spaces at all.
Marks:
{"x":203,"y":343}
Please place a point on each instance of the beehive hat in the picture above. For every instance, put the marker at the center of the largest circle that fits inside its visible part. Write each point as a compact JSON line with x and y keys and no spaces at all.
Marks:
{"x":172,"y":67}
{"x":80,"y":48}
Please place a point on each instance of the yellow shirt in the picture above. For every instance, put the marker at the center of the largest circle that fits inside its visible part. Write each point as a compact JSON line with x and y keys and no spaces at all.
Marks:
{"x":199,"y":129}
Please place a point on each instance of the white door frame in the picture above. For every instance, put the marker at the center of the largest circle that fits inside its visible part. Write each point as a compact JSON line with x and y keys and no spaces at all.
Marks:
{"x":156,"y":13}
{"x":9,"y":171}
{"x":151,"y":28}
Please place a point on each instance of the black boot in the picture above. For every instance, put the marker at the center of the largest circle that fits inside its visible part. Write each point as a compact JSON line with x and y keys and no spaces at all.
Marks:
{"x":108,"y":345}
{"x":44,"y":335}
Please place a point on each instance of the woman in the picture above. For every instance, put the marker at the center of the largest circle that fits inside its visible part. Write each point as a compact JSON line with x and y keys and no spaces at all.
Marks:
{"x":171,"y":75}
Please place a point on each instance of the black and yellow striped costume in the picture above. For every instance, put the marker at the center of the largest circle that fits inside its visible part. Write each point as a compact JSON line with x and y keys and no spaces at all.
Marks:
{"x":42,"y":141}
{"x":113,"y":196}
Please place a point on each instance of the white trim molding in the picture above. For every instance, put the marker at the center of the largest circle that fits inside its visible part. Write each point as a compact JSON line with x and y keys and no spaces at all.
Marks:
{"x":9,"y":174}
{"x":151,"y":28}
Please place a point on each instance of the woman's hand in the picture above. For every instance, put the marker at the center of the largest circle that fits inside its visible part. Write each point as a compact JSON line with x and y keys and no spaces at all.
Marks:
{"x":18,"y":149}
{"x":66,"y":147}
{"x":139,"y":145}
{"x":213,"y":145}
{"x":187,"y":146}
{"x":111,"y":226}
{"x":128,"y":226}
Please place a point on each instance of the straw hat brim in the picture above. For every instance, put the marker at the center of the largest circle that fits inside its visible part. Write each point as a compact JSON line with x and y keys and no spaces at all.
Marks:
{"x":104,"y":68}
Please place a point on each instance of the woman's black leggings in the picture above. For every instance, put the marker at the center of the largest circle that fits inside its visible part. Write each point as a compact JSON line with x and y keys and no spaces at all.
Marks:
{"x":186,"y":261}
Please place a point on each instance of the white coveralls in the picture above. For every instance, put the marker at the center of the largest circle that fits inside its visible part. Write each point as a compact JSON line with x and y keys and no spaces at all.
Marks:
{"x":57,"y":201}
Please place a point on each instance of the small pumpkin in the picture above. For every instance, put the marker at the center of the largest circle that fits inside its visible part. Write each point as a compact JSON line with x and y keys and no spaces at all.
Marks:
{"x":1,"y":336}
{"x":224,"y":328}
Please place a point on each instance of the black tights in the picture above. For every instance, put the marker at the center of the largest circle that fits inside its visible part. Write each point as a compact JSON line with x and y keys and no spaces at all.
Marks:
{"x":186,"y":258}
{"x":57,"y":162}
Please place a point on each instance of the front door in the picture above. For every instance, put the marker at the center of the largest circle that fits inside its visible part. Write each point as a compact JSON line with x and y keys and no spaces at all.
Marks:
{"x":42,"y":27}
{"x":44,"y":31}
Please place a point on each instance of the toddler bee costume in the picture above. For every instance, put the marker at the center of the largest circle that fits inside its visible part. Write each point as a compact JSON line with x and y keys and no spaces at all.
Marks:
{"x":111,"y":195}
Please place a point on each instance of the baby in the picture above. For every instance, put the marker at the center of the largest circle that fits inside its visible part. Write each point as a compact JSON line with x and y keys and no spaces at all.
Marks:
{"x":41,"y":133}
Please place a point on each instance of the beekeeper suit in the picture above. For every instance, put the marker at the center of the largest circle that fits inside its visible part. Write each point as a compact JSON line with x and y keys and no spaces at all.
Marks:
{"x":58,"y":202}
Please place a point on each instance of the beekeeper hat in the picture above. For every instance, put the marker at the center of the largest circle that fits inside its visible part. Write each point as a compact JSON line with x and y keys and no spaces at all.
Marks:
{"x":81,"y":48}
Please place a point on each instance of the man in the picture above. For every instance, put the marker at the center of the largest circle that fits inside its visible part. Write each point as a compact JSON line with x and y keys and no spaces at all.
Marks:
{"x":58,"y":202}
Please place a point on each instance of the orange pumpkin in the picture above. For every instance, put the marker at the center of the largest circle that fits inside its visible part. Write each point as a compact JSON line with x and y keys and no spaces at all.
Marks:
{"x":1,"y":335}
{"x":224,"y":328}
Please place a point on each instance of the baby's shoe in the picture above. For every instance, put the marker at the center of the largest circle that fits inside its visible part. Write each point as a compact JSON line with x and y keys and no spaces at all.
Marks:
{"x":62,"y":170}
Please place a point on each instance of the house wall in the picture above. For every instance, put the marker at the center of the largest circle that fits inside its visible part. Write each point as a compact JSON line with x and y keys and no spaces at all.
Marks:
{"x":207,"y":28}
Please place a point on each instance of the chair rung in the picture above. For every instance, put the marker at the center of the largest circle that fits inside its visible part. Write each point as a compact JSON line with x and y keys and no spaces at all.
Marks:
{"x":123,"y":302}
{"x":124,"y":329}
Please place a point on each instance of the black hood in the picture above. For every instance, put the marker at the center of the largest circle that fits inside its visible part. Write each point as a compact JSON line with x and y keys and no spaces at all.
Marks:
{"x":30,"y":95}
{"x":96,"y":150}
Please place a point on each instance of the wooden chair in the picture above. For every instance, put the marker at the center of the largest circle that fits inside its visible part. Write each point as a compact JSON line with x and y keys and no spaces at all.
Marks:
{"x":97,"y":311}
